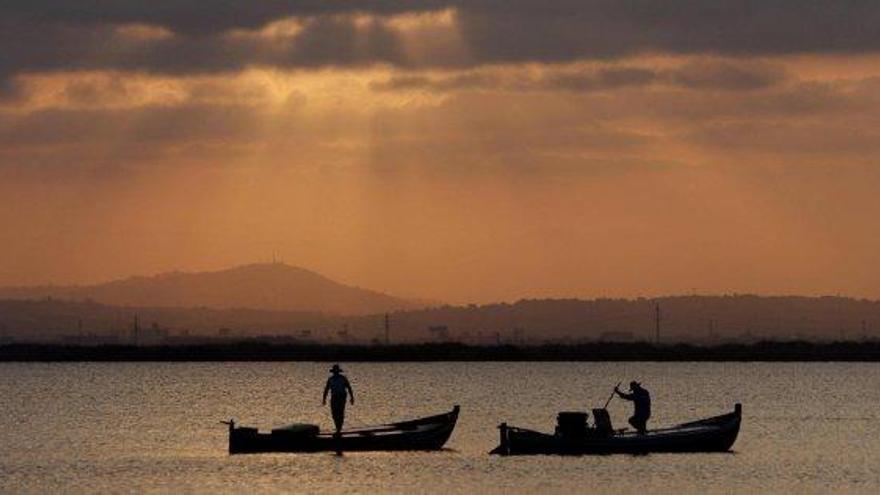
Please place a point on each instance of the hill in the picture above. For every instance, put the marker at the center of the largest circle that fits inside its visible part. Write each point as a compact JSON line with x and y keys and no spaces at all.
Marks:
{"x":265,"y":286}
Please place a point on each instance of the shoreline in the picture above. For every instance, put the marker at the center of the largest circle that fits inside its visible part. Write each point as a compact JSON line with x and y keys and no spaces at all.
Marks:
{"x":593,"y":352}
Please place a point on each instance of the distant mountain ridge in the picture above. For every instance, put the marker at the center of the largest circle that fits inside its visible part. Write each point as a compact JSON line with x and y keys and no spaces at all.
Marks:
{"x":264,"y":286}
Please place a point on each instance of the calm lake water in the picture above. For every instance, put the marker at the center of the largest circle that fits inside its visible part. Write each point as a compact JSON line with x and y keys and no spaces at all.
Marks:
{"x":155,"y":426}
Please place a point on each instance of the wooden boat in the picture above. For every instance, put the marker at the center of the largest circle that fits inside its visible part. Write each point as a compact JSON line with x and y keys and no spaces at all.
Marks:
{"x":716,"y":434}
{"x":419,"y":434}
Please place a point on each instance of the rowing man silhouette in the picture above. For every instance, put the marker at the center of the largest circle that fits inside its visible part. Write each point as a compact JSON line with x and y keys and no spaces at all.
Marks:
{"x":641,"y":400}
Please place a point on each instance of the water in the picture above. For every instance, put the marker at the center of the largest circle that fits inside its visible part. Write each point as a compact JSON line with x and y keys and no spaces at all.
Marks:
{"x":155,"y":426}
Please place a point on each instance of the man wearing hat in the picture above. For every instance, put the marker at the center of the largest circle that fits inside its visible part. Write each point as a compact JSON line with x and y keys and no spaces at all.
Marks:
{"x":339,"y":388}
{"x":641,"y":400}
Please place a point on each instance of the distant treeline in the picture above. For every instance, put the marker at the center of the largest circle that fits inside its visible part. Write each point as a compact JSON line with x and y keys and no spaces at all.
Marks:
{"x":694,"y":319}
{"x":262,"y":351}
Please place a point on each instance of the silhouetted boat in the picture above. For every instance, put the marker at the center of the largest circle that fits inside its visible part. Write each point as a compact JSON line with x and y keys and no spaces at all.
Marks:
{"x":716,"y":434}
{"x":420,"y":434}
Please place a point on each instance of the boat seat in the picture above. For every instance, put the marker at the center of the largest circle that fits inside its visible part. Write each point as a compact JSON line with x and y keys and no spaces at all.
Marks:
{"x":603,"y":422}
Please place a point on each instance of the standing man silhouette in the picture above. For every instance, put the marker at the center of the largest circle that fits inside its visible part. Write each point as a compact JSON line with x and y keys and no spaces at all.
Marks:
{"x":339,"y":388}
{"x":641,"y":400}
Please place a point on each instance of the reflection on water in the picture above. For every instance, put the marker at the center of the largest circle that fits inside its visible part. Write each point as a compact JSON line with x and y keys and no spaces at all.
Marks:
{"x":154,"y":426}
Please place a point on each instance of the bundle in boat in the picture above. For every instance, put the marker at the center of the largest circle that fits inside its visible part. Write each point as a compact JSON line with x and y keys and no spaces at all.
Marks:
{"x":429,"y":433}
{"x":574,"y":437}
{"x":297,"y":430}
{"x":571,"y":423}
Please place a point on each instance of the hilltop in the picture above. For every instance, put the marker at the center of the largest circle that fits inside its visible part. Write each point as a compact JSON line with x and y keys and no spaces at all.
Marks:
{"x":262,"y":286}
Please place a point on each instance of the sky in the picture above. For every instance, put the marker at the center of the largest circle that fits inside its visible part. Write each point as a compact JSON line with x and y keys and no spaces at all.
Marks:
{"x":463,"y":151}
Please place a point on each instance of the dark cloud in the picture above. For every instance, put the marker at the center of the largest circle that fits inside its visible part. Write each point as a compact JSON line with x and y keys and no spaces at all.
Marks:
{"x":195,"y":16}
{"x":602,"y":79}
{"x":727,"y":76}
{"x":528,"y":30}
{"x":452,"y":134}
{"x":323,"y":41}
{"x":566,"y":80}
{"x":675,"y":107}
{"x":10,"y":89}
{"x":337,"y":41}
{"x":732,"y":76}
{"x":442,"y":83}
{"x":47,"y":35}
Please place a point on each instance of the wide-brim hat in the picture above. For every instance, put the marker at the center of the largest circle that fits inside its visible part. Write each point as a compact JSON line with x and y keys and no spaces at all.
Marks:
{"x":335,"y":369}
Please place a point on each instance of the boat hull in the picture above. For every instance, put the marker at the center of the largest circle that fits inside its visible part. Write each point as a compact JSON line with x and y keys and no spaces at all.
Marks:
{"x":716,"y":434}
{"x":429,"y":433}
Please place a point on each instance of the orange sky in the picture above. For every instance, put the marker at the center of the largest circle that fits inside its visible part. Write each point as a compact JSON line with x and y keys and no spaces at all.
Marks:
{"x":423,"y":157}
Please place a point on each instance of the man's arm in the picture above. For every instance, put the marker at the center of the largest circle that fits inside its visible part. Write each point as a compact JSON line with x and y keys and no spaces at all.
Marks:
{"x":623,"y":395}
{"x":350,"y":391}
{"x":326,"y":389}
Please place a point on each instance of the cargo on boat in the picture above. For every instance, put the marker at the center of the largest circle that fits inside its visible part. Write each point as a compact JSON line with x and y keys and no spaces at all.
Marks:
{"x":429,"y":433}
{"x":574,"y":437}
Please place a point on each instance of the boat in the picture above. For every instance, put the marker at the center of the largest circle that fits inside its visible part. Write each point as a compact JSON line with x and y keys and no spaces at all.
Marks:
{"x":429,"y":433}
{"x":715,"y":434}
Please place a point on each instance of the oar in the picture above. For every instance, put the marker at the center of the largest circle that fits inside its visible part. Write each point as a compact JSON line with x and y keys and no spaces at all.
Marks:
{"x":612,"y":396}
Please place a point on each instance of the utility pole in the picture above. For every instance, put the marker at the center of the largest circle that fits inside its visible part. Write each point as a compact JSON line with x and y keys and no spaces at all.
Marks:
{"x":387,"y":329}
{"x":657,"y":323}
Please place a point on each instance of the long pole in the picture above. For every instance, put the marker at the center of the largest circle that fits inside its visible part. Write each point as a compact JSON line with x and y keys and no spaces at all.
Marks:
{"x":611,"y":396}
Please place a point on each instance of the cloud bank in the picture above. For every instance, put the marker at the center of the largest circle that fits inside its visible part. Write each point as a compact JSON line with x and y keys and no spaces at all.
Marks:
{"x":185,"y":37}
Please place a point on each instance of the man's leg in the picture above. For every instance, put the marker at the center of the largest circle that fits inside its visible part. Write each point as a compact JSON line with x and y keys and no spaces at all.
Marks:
{"x":640,"y":424}
{"x":337,"y":408}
